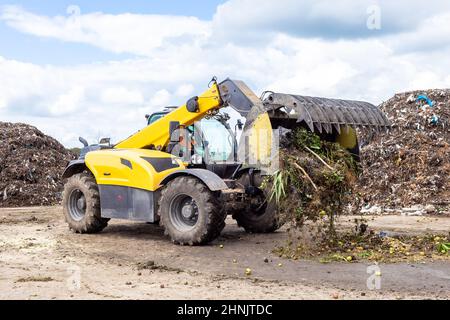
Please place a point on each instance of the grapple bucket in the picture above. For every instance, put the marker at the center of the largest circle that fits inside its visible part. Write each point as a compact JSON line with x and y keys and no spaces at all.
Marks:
{"x":322,"y":115}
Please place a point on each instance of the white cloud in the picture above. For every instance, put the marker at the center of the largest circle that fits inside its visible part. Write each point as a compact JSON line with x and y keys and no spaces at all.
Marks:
{"x":160,"y":98}
{"x":129,"y":33}
{"x":67,"y":103}
{"x":3,"y":102}
{"x":121,"y":96}
{"x":250,"y":19}
{"x":177,"y":56}
{"x":432,"y":34}
{"x":184,"y":90}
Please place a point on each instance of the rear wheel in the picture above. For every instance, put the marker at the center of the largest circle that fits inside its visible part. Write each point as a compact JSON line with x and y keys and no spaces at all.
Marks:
{"x":81,"y":204}
{"x":190,"y":213}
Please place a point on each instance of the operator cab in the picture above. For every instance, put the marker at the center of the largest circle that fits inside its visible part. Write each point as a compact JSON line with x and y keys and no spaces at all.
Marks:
{"x":213,"y":141}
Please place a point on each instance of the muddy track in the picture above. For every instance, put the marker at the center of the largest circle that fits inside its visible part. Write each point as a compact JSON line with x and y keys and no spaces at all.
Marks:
{"x":41,"y":259}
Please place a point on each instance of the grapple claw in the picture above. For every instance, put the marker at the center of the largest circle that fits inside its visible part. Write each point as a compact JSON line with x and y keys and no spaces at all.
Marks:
{"x":323,"y":114}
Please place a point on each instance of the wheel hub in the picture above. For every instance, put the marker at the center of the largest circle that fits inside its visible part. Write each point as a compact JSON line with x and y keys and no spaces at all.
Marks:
{"x":77,"y":205}
{"x":184,"y":212}
{"x":81,"y":203}
{"x":188,"y":211}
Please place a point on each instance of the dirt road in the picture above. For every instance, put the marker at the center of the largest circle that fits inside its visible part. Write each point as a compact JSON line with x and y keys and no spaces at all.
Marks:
{"x":41,"y":259}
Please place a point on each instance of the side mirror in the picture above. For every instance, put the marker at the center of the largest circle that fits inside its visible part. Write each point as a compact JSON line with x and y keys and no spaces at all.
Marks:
{"x":174,"y":132}
{"x":105,"y":141}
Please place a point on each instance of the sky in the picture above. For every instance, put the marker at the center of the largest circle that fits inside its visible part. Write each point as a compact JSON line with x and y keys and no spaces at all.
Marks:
{"x":95,"y":68}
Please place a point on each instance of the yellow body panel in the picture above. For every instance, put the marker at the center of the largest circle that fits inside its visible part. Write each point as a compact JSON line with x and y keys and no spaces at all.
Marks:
{"x":157,"y":133}
{"x":108,"y":168}
{"x":260,"y":140}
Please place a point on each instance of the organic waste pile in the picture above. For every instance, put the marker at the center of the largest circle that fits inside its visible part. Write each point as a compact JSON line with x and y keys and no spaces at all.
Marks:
{"x":315,"y":181}
{"x":31,"y":165}
{"x":410,"y":165}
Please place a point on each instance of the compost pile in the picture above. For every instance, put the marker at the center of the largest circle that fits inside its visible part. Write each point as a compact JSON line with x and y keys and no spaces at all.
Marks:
{"x":410,"y":165}
{"x":31,"y":165}
{"x":315,"y":181}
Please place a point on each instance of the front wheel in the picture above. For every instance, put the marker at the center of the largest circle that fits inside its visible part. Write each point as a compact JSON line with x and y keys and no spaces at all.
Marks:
{"x":81,"y":204}
{"x":190,"y":213}
{"x":262,"y":217}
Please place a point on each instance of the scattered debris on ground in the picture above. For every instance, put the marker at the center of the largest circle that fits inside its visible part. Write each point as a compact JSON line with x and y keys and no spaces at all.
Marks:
{"x":408,"y":167}
{"x":151,"y":265}
{"x":35,"y":279}
{"x":31,"y":165}
{"x":364,"y":244}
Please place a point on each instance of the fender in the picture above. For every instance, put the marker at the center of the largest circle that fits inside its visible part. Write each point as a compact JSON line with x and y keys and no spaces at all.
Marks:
{"x":210,"y":179}
{"x":74,"y":167}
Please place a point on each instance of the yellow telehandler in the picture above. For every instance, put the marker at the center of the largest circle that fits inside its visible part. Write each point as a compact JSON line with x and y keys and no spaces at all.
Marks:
{"x":187,"y":170}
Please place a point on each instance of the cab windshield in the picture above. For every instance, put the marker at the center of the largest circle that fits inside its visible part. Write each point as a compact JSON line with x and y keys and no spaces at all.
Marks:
{"x":217,"y":140}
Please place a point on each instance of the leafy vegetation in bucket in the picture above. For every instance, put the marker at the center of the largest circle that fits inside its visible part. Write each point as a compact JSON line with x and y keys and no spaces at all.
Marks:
{"x":314,"y":181}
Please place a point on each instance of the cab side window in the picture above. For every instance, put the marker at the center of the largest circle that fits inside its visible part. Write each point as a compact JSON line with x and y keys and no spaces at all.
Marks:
{"x":154,"y":117}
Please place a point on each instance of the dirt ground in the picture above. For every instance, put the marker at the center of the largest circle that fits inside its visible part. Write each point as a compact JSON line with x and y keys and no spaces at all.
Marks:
{"x":41,"y":259}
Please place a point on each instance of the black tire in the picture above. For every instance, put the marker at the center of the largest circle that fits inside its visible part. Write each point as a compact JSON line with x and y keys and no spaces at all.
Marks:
{"x":81,"y":204}
{"x":262,"y":219}
{"x":190,"y":213}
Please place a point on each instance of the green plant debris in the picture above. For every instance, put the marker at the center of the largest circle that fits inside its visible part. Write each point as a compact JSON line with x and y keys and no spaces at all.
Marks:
{"x":314,"y":181}
{"x":443,"y":248}
{"x":352,"y":247}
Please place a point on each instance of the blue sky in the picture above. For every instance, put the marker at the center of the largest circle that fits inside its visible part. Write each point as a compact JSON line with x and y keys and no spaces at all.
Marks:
{"x":99,"y":72}
{"x":16,"y":45}
{"x":199,"y":8}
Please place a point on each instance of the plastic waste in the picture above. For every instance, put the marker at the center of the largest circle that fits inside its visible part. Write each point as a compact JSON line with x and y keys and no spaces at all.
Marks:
{"x":424,"y":97}
{"x":434,"y":119}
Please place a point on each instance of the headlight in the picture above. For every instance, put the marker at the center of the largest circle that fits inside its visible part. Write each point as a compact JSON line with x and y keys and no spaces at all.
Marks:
{"x":197,"y":159}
